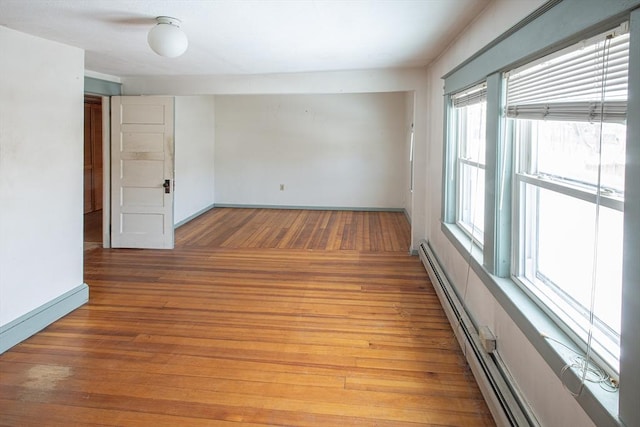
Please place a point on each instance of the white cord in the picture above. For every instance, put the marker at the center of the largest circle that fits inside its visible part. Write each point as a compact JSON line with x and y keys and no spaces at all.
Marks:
{"x":579,"y":361}
{"x":584,"y":366}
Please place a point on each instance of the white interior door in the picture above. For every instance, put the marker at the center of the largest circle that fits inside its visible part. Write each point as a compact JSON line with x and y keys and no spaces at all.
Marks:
{"x":142,"y":172}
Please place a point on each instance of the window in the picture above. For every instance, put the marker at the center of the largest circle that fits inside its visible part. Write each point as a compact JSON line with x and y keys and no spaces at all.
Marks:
{"x":469,"y":118}
{"x":567,"y":114}
{"x":559,"y":149}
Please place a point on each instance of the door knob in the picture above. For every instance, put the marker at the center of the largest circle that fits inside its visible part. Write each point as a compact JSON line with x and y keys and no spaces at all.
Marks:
{"x":167,"y":186}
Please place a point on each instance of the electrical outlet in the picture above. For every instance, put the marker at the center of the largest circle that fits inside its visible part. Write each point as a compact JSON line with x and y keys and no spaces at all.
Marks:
{"x":281,"y":187}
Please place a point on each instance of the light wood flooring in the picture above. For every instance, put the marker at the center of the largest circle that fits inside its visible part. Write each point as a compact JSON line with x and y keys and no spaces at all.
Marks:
{"x":257,"y":318}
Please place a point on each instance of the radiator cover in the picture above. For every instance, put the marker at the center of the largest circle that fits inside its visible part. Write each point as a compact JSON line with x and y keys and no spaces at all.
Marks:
{"x":505,"y":403}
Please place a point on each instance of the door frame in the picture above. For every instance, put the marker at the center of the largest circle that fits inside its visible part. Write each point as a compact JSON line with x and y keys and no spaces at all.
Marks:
{"x":106,"y":167}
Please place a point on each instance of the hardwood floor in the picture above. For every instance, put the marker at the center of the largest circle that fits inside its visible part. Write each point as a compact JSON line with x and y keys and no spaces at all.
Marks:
{"x":298,"y":229}
{"x":257,"y":318}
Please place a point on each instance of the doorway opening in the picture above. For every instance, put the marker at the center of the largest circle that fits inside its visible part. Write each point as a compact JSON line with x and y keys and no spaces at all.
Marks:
{"x":93,"y":172}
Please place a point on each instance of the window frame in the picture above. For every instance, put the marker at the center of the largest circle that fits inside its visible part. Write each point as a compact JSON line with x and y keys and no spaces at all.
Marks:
{"x":459,"y":122}
{"x":570,"y":326}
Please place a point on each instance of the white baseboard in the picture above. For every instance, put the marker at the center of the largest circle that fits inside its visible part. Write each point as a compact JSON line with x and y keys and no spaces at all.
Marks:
{"x":193,"y":216}
{"x":36,"y":320}
{"x":311,"y":208}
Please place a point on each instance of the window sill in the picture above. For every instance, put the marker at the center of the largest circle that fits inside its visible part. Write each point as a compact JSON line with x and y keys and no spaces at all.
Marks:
{"x":601,"y":406}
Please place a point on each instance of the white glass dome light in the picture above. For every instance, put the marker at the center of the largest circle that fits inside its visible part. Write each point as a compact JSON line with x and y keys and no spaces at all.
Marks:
{"x":166,"y":38}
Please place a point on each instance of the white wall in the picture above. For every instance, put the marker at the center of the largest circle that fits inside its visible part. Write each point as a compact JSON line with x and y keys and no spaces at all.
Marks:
{"x":552,"y":404}
{"x":340,"y":150}
{"x":41,"y":158}
{"x":194,"y":155}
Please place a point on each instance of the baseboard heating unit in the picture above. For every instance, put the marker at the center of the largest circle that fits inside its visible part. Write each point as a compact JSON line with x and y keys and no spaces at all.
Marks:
{"x":505,"y":403}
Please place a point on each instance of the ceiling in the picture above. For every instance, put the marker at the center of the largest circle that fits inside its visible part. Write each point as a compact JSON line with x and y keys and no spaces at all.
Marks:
{"x":248,"y":36}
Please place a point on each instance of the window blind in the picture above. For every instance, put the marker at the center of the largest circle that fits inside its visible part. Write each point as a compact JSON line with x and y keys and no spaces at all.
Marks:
{"x":473,"y":95}
{"x":570,"y":85}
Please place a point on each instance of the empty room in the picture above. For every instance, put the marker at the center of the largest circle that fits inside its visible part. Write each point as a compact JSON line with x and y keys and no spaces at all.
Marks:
{"x":319,"y":213}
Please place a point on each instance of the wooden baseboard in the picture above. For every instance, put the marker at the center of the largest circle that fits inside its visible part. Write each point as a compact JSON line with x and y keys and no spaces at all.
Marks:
{"x":28,"y":324}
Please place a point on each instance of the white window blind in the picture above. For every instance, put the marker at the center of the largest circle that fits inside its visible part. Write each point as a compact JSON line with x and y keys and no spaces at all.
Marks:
{"x":584,"y":84}
{"x":473,"y":95}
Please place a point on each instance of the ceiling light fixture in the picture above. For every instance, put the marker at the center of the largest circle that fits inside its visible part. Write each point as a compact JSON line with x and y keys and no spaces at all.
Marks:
{"x":166,"y":38}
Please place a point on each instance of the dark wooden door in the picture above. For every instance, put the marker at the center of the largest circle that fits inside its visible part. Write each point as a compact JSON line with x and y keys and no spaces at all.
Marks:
{"x":92,"y":153}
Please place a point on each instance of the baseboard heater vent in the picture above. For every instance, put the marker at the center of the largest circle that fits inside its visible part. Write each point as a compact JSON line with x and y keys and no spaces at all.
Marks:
{"x":505,"y":402}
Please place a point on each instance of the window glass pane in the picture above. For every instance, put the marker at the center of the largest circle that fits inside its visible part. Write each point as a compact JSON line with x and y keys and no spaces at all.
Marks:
{"x":560,"y":235}
{"x":470,"y":138}
{"x":471,"y":204}
{"x":472,"y":131}
{"x":569,"y":150}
